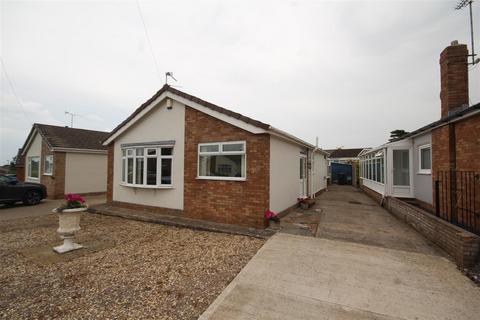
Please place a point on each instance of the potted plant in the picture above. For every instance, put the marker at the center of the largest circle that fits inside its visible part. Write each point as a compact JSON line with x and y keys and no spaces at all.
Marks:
{"x":69,"y":221}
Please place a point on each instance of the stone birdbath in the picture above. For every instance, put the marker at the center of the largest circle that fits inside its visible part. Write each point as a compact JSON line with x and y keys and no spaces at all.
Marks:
{"x":69,"y":222}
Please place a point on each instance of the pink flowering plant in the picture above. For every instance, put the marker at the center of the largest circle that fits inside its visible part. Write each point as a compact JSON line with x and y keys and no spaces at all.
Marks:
{"x":73,"y":201}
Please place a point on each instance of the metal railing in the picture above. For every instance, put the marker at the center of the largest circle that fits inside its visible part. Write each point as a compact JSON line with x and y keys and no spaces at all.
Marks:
{"x":457,"y":198}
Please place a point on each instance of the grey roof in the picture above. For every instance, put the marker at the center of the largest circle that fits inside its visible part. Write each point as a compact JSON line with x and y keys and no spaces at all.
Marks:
{"x":71,"y":138}
{"x":445,"y":120}
{"x":187,"y":96}
{"x":344,"y":153}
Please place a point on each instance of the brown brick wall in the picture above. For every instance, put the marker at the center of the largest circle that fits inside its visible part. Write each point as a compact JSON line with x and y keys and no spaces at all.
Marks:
{"x":467,"y":133}
{"x":20,"y":172}
{"x":110,"y":158}
{"x":59,"y":162}
{"x":455,"y":146}
{"x":56,"y":182}
{"x":462,"y":245}
{"x":235,"y":202}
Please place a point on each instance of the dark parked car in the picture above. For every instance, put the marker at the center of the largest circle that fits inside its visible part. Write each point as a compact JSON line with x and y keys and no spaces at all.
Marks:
{"x":12,"y":191}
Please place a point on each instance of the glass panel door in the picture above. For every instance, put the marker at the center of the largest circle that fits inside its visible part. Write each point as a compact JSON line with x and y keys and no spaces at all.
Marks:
{"x":401,"y":167}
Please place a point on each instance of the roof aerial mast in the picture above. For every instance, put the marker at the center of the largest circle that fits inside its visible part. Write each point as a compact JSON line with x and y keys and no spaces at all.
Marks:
{"x":169,"y":74}
{"x":460,"y":5}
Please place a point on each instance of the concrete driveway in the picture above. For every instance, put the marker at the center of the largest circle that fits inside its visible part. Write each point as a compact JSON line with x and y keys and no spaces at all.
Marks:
{"x":364,"y":264}
{"x":19,"y":210}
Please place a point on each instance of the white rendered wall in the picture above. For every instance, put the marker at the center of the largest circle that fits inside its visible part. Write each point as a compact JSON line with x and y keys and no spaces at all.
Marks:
{"x":160,"y":124}
{"x":284,"y":174}
{"x":35,"y":150}
{"x":85,"y":173}
{"x":319,"y":172}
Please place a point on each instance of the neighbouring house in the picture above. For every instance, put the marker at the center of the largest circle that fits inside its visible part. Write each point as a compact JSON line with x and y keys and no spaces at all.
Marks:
{"x":66,"y":160}
{"x":436,"y":168}
{"x":343,"y":165}
{"x":178,"y":154}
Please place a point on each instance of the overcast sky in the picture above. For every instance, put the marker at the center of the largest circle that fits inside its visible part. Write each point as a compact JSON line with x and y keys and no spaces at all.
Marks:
{"x":347,"y":72}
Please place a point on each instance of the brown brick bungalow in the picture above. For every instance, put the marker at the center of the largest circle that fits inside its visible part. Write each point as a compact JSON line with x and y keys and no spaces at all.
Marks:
{"x":66,"y":160}
{"x":178,"y":154}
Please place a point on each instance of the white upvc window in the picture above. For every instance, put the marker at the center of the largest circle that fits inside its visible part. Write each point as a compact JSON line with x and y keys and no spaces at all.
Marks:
{"x":48,"y":165}
{"x":148,"y":167}
{"x":222,"y":161}
{"x":33,"y":167}
{"x":425,"y":159}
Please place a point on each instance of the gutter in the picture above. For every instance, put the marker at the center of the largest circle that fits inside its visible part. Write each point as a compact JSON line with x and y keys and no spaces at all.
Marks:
{"x":77,"y":150}
{"x":280,"y":133}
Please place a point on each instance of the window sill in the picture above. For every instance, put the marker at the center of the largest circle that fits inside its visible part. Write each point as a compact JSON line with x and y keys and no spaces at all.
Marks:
{"x":48,"y":174}
{"x":221,"y":178}
{"x":33,"y":178}
{"x":147,"y":187}
{"x":425,"y":172}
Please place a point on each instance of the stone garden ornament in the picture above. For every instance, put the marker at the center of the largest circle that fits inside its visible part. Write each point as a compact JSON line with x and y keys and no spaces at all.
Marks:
{"x":69,"y":222}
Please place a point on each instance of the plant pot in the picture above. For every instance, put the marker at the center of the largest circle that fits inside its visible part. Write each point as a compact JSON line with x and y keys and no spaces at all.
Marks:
{"x":69,"y":224}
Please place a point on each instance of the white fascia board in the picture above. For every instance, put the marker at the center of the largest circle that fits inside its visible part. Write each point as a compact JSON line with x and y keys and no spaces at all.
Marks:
{"x":282,"y":134}
{"x":76,"y":150}
{"x":223,"y":117}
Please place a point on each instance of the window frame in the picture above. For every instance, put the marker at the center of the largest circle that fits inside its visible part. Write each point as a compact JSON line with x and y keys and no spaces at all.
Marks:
{"x":372,"y":167}
{"x":221,"y":152}
{"x":29,"y":167}
{"x":131,"y":153}
{"x":420,"y":169}
{"x":47,"y":157}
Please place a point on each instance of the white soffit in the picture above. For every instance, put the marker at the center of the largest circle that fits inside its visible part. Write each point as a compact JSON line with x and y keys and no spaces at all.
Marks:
{"x":233,"y":121}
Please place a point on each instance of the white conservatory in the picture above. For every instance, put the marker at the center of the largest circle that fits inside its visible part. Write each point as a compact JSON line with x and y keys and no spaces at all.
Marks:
{"x":399,"y":169}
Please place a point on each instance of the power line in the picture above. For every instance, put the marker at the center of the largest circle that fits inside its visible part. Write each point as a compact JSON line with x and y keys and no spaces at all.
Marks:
{"x":148,"y":40}
{"x":20,"y":104}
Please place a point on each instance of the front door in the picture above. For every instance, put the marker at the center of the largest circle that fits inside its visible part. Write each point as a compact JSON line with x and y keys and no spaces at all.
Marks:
{"x":303,"y":176}
{"x":401,"y":172}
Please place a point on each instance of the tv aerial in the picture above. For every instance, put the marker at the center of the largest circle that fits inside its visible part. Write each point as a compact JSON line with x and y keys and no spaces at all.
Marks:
{"x":460,"y":5}
{"x":169,"y":74}
{"x":72,"y":115}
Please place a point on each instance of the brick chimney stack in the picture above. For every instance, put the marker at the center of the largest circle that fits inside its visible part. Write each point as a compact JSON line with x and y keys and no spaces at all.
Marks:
{"x":454,"y":78}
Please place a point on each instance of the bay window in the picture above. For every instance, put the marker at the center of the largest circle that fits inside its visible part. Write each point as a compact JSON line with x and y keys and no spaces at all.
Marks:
{"x":222,"y":161}
{"x":149,"y":166}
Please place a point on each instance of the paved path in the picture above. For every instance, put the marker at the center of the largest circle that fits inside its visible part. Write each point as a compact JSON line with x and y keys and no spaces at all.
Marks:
{"x":45,"y":207}
{"x":364,"y":264}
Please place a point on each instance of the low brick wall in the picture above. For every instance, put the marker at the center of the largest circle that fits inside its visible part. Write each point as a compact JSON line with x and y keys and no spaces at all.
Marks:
{"x":462,"y":245}
{"x":372,"y":194}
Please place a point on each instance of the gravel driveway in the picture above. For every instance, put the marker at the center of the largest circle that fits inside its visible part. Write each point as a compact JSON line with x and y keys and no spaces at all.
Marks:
{"x":147,"y":271}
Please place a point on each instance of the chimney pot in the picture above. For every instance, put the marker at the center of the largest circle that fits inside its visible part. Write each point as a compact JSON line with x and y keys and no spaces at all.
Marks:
{"x":454,"y":43}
